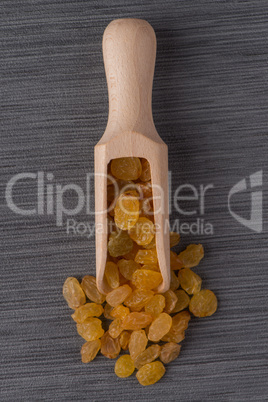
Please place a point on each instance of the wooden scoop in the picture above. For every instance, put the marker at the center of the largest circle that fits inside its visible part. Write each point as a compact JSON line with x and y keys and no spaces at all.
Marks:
{"x":129,"y":49}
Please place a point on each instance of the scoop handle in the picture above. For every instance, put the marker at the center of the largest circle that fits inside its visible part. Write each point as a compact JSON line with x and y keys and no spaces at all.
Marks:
{"x":129,"y":50}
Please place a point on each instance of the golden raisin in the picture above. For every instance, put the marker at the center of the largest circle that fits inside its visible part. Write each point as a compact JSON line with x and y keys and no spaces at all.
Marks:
{"x":107,"y":311}
{"x":73,"y":293}
{"x":137,"y":343}
{"x":147,"y":356}
{"x":169,"y":352}
{"x":142,"y":232}
{"x":152,"y":267}
{"x":189,"y":281}
{"x":174,"y":239}
{"x":159,"y":327}
{"x":146,"y":211}
{"x":117,"y":296}
{"x":136,"y":320}
{"x":151,"y":245}
{"x":132,"y":253}
{"x":179,"y":325}
{"x":146,"y":279}
{"x":126,"y":211}
{"x":171,"y":300}
{"x":146,"y":171}
{"x":124,"y":366}
{"x":90,"y":350}
{"x":180,"y":321}
{"x":203,"y":303}
{"x":146,"y":257}
{"x":86,"y":311}
{"x":144,"y":189}
{"x":122,"y":279}
{"x":174,"y":337}
{"x":155,"y":305}
{"x":138,"y":299}
{"x":182,"y":302}
{"x":126,"y":168}
{"x":192,"y":255}
{"x":119,"y":243}
{"x":120,"y":312}
{"x":112,"y":274}
{"x":174,"y":281}
{"x":90,"y":288}
{"x":90,"y":329}
{"x":110,"y":347}
{"x":175,"y":262}
{"x":127,"y":268}
{"x":115,"y":328}
{"x":124,"y":339}
{"x":150,"y":373}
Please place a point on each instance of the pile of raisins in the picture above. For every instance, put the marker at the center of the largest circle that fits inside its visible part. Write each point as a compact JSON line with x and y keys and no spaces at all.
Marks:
{"x":147,"y":324}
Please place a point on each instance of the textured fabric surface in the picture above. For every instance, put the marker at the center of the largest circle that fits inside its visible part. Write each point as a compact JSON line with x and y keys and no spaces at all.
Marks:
{"x":210,"y":107}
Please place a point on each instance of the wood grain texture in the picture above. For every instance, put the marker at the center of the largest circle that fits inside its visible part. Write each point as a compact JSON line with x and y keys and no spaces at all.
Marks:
{"x":210,"y":107}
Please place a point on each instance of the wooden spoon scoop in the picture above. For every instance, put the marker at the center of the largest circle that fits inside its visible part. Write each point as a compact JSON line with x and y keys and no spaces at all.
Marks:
{"x":129,"y":49}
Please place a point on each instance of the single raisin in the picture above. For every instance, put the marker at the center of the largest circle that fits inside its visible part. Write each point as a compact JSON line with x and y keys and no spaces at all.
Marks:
{"x":155,"y":305}
{"x":126,"y":168}
{"x":145,"y":189}
{"x":117,"y":296}
{"x":110,"y":347}
{"x":127,"y":268}
{"x":182,"y":302}
{"x":146,"y":279}
{"x":136,"y":320}
{"x":142,"y":232}
{"x":152,"y":267}
{"x":174,"y":337}
{"x":175,"y":262}
{"x":179,"y":325}
{"x":138,"y":299}
{"x":203,"y":303}
{"x":115,"y":328}
{"x":90,"y":329}
{"x":174,"y":239}
{"x":120,"y":312}
{"x":147,"y":356}
{"x":124,"y":339}
{"x":107,"y":311}
{"x":171,"y":300}
{"x":90,"y":288}
{"x":132,"y":253}
{"x":146,"y":171}
{"x":112,"y":274}
{"x":90,"y":350}
{"x":124,"y":366}
{"x":119,"y":243}
{"x":146,"y":257}
{"x":73,"y":293}
{"x":159,"y":327}
{"x":169,"y":352}
{"x":86,"y":311}
{"x":180,"y":321}
{"x":150,"y":373}
{"x":126,"y":211}
{"x":189,"y":281}
{"x":137,"y":343}
{"x":174,"y":281}
{"x":192,"y":255}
